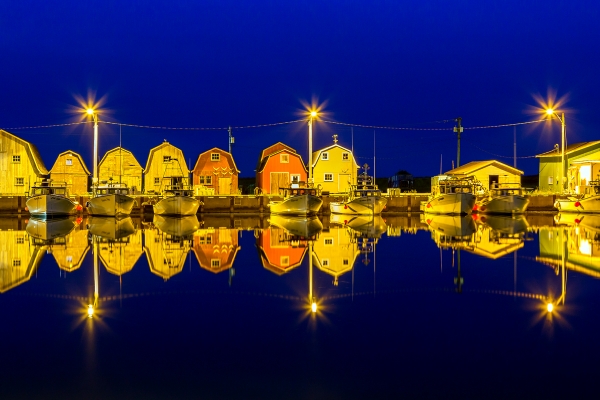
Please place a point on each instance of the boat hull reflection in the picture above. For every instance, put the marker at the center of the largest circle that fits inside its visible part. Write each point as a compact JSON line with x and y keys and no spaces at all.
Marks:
{"x":297,"y":226}
{"x":50,"y":229}
{"x":111,"y":228}
{"x":182,"y":226}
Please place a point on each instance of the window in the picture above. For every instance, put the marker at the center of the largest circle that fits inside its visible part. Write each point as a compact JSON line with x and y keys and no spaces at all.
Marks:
{"x":16,"y":262}
{"x":295,"y":178}
{"x":328,"y":178}
{"x":325,"y":156}
{"x":215,"y":263}
{"x":69,"y":161}
{"x":16,"y":159}
{"x":325,"y":262}
{"x":156,"y":181}
{"x":328,"y":241}
{"x":215,"y":157}
{"x":208,"y":180}
{"x":166,"y":159}
{"x":284,"y":158}
{"x":345,"y":156}
{"x":284,"y":261}
{"x":19,"y":181}
{"x":20,"y":240}
{"x":345,"y":261}
{"x":550,"y":180}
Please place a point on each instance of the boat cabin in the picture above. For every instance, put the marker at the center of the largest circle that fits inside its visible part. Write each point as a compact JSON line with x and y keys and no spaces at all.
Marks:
{"x":444,"y":184}
{"x":47,"y":188}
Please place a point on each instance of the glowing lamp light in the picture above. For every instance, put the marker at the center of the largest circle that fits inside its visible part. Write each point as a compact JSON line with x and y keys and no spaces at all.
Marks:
{"x":550,"y":307}
{"x":549,"y":111}
{"x":90,"y":311}
{"x":313,"y":307}
{"x":313,"y":114}
{"x":90,"y":111}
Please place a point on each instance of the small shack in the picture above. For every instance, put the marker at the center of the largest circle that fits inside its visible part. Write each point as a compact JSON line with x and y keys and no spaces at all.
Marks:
{"x":334,"y":168}
{"x":20,"y":165}
{"x":582,"y":165}
{"x":489,"y":173}
{"x":70,"y":168}
{"x":165,"y":166}
{"x":216,"y":169}
{"x":278,"y":166}
{"x":120,"y":166}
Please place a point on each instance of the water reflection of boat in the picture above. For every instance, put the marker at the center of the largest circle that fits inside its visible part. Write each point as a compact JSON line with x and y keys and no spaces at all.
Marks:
{"x":167,"y":251}
{"x":297,"y":226}
{"x":111,"y":228}
{"x":505,"y":225}
{"x":177,"y":226}
{"x":44,"y":230}
{"x":451,"y":195}
{"x":450,"y":231}
{"x":498,"y":236}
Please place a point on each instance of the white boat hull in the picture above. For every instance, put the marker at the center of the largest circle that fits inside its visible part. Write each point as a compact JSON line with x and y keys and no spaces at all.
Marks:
{"x":110,"y":205}
{"x":371,"y":205}
{"x":451,"y":204}
{"x":304,"y":204}
{"x":177,"y":205}
{"x":509,"y":204}
{"x":585,"y":205}
{"x":50,"y":205}
{"x":49,"y":229}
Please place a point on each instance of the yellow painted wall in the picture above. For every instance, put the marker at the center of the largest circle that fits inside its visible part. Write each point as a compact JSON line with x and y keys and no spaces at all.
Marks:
{"x":122,"y":166}
{"x":343,"y":171}
{"x":10,"y":169}
{"x":75,"y":175}
{"x":157,"y":168}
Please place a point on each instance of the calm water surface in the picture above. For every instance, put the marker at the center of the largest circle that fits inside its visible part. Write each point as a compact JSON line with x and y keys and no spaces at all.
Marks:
{"x":246,"y":307}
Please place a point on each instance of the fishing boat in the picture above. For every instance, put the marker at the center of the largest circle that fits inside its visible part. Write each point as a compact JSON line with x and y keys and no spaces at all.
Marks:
{"x":364,"y":198}
{"x":507,"y":198}
{"x":49,"y":199}
{"x":111,"y":200}
{"x":177,"y":197}
{"x":451,"y":194}
{"x":297,"y":200}
{"x":586,"y":203}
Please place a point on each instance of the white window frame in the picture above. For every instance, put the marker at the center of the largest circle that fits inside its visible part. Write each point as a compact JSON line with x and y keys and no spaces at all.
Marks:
{"x":292,"y":176}
{"x":208,"y":180}
{"x":19,"y":181}
{"x":69,"y":161}
{"x":325,"y":156}
{"x":215,"y":157}
{"x":550,"y":180}
{"x":284,"y":158}
{"x":325,"y":177}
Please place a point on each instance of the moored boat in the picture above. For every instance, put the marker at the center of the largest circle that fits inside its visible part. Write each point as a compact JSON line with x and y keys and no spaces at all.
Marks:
{"x":177,"y":200}
{"x":297,"y":201}
{"x":586,"y":203}
{"x":48,"y":199}
{"x":503,"y":199}
{"x":111,"y":200}
{"x":451,"y":194}
{"x":364,"y":198}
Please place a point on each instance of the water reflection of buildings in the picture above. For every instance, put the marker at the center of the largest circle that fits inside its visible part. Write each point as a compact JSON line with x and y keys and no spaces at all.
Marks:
{"x":216,"y":249}
{"x":119,"y":243}
{"x":19,"y":257}
{"x":168,"y":242}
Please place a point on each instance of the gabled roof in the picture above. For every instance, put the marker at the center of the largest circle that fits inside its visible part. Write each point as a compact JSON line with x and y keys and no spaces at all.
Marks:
{"x":155,"y":149}
{"x":32,"y":152}
{"x":473,"y":166}
{"x":119,"y":149}
{"x":569,"y":149}
{"x":272,"y":149}
{"x":317,"y":153}
{"x":77,"y":156}
{"x":225,"y":153}
{"x":265,"y":160}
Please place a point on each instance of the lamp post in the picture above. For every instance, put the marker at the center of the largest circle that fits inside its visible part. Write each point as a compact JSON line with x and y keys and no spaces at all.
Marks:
{"x":91,"y":112}
{"x":561,"y":118}
{"x":313,"y":115}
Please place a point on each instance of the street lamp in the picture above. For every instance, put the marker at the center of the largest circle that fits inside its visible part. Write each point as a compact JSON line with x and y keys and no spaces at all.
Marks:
{"x":561,"y":118}
{"x":313,"y":114}
{"x":92,"y":112}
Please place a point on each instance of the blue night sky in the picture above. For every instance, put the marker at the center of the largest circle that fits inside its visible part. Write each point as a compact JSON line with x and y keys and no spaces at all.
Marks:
{"x":206,"y":64}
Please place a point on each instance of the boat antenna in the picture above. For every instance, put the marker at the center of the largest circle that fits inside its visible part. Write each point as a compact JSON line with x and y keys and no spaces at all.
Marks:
{"x":373,"y":155}
{"x":441,"y":163}
{"x":120,"y":155}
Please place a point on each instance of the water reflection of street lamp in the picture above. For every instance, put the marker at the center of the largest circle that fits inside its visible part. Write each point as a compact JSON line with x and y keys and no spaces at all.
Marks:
{"x":561,"y":118}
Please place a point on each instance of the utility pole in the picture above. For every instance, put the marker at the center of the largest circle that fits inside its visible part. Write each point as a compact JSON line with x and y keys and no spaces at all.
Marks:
{"x":458,"y":129}
{"x":515,"y":147}
{"x":231,"y":139}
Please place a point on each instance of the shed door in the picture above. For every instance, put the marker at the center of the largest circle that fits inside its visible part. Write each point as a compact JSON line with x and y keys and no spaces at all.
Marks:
{"x":493,"y":181}
{"x":224,"y":185}
{"x":279,"y":179}
{"x":343,"y":182}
